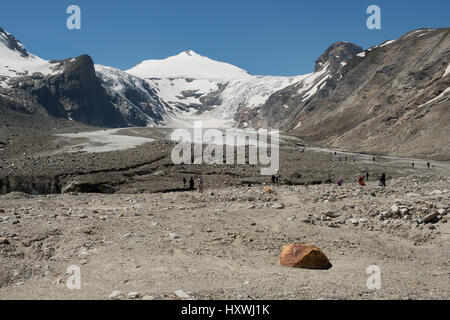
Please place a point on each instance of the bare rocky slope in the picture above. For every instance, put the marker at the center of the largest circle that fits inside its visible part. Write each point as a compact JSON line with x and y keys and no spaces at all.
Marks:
{"x":392,"y":99}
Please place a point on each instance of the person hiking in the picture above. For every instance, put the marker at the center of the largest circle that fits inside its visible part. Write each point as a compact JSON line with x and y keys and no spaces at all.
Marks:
{"x":340,"y":182}
{"x":200,"y":185}
{"x":273,"y":179}
{"x":191,"y":184}
{"x":374,"y":159}
{"x":361,"y":181}
{"x":383,"y":180}
{"x":413,"y":165}
{"x":367,"y":176}
{"x":428,"y":164}
{"x":184,"y":183}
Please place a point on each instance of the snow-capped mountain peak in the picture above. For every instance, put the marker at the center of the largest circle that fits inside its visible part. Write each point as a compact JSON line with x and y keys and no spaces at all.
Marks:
{"x":15,"y":60}
{"x":187,"y":64}
{"x":190,"y":53}
{"x":10,"y":42}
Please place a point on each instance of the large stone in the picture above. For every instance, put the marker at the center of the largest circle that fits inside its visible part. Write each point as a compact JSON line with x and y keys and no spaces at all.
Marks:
{"x":174,"y":236}
{"x":182,"y":295}
{"x":278,"y":206}
{"x":116,"y":295}
{"x":333,"y":214}
{"x":303,"y":256}
{"x":430,"y":217}
{"x":395,"y":209}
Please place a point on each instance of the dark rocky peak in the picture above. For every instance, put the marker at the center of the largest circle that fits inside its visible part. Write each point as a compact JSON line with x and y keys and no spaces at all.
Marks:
{"x":337,"y":55}
{"x":81,"y":67}
{"x":12,"y":43}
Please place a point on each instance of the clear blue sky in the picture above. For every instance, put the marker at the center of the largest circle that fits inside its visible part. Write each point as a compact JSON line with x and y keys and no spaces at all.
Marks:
{"x":282,"y":37}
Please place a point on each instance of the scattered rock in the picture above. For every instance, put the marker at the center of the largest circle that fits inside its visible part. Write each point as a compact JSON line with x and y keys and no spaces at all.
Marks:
{"x":173,"y":236}
{"x":4,"y":241}
{"x":395,"y":209}
{"x":133,"y":295}
{"x":182,"y":295}
{"x":430,"y":217}
{"x":386,"y":214}
{"x":333,"y":214}
{"x":116,"y":295}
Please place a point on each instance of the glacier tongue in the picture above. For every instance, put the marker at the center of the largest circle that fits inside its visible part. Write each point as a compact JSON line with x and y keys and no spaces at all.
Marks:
{"x":191,"y":87}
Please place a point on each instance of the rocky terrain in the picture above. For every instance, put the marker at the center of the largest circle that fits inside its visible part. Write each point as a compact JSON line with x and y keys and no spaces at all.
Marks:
{"x":126,"y":220}
{"x":225,"y":243}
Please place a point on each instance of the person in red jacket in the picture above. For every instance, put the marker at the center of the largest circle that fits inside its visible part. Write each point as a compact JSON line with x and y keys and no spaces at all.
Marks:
{"x":361,"y":181}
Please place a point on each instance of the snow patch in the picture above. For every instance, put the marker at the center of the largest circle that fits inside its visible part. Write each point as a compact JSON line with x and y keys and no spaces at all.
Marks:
{"x":447,"y":71}
{"x":436,"y":98}
{"x":387,"y":43}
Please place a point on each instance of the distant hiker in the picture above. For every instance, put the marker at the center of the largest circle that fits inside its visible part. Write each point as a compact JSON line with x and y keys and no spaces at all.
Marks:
{"x":345,"y":158}
{"x":191,"y":184}
{"x":367,"y":176}
{"x":361,"y":181}
{"x":340,"y":182}
{"x":200,"y":185}
{"x":383,"y":180}
{"x":184,"y":183}
{"x":335,"y":153}
{"x":428,"y":164}
{"x":374,"y":159}
{"x":273,"y":179}
{"x":413,"y":165}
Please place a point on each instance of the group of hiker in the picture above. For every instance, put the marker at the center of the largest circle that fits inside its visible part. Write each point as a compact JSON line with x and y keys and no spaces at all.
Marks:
{"x":361,"y":181}
{"x":192,"y":184}
{"x":276,"y":179}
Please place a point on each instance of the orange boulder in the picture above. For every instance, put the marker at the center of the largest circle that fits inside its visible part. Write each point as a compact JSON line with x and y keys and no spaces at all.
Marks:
{"x":303,"y":256}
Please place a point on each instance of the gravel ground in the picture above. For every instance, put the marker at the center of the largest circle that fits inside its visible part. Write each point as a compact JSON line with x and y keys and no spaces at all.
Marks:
{"x":141,"y":232}
{"x":225,"y":243}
